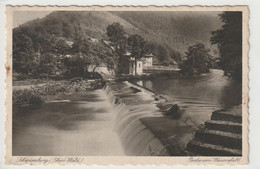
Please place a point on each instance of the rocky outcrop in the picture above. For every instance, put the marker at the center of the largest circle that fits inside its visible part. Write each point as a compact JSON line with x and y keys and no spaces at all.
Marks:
{"x":221,"y":136}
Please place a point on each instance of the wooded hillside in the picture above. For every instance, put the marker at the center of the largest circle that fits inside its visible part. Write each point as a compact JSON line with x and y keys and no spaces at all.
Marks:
{"x":169,"y":33}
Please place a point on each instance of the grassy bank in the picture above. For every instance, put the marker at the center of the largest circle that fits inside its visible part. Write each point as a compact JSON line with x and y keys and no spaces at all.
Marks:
{"x":37,"y":93}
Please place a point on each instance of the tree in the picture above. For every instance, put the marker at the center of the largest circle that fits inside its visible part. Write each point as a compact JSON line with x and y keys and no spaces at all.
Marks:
{"x":116,"y":35}
{"x":163,"y":55}
{"x":197,"y":60}
{"x":49,"y":54}
{"x":137,"y":47}
{"x":23,"y":50}
{"x":176,"y":56}
{"x":229,"y":41}
{"x":80,"y":52}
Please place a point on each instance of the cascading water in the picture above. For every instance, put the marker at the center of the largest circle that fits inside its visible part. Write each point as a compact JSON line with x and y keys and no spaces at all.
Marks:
{"x":130,"y":107}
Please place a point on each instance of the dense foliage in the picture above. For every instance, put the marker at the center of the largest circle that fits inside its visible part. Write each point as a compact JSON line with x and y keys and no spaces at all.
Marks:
{"x":41,"y":45}
{"x":66,"y":50}
{"x":173,"y":34}
{"x":197,"y":60}
{"x":137,"y":46}
{"x":229,"y":41}
{"x":116,"y":35}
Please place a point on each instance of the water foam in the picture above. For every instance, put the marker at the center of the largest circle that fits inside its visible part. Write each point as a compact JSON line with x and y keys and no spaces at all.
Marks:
{"x":136,"y":138}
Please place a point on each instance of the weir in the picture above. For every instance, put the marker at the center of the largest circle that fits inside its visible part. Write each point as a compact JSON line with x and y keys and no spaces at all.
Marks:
{"x":131,"y":107}
{"x":145,"y":131}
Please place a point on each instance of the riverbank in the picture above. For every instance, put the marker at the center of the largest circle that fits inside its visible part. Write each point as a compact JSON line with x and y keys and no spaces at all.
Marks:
{"x":36,"y":92}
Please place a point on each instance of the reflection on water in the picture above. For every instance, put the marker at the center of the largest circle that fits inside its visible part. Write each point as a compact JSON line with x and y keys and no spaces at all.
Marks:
{"x":82,"y":126}
{"x":199,"y":95}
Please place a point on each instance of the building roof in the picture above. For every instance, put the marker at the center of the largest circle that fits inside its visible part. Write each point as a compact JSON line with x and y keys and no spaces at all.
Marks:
{"x":148,"y":55}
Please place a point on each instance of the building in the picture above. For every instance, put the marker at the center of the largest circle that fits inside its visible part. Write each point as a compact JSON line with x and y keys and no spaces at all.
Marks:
{"x":101,"y":69}
{"x":147,"y":60}
{"x":128,"y":66}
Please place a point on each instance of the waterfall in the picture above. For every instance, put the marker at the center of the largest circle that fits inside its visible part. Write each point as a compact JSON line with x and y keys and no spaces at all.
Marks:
{"x":130,"y":107}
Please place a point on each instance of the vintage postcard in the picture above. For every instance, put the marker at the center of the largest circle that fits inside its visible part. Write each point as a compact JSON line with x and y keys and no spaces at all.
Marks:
{"x":127,"y":85}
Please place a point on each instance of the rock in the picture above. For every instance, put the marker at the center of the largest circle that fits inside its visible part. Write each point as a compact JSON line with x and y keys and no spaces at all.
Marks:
{"x":135,"y":90}
{"x":159,"y":97}
{"x":164,"y":106}
{"x":156,"y":98}
{"x":174,"y":112}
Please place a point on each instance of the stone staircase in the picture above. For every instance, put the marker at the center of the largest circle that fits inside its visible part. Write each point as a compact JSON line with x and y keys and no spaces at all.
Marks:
{"x":221,"y":136}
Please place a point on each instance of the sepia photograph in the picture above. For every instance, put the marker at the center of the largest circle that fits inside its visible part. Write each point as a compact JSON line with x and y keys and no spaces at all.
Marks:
{"x":128,"y":83}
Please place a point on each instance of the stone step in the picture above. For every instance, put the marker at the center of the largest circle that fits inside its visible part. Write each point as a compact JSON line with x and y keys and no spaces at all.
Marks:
{"x":225,"y":139}
{"x":225,"y":126}
{"x":205,"y":149}
{"x":226,"y":115}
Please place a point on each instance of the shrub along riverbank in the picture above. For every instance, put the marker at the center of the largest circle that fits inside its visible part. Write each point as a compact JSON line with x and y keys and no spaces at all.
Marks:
{"x":38,"y":93}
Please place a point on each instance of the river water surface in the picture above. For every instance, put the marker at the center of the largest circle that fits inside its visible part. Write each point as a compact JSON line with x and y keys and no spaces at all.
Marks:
{"x":81,"y":125}
{"x":198,"y":96}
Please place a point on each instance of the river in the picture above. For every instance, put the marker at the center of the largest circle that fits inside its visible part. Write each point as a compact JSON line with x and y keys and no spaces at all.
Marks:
{"x":83,"y":123}
{"x":80,"y":125}
{"x":200,"y":95}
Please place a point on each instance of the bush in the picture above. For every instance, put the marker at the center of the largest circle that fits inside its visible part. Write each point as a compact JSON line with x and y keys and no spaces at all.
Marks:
{"x":26,"y":97}
{"x":37,"y":94}
{"x":35,"y":100}
{"x":52,"y":89}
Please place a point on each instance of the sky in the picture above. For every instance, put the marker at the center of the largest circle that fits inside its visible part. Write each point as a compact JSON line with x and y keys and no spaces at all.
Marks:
{"x":21,"y":17}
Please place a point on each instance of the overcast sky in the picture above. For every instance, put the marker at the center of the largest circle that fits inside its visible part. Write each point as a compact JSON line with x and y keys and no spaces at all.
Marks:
{"x":21,"y":17}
